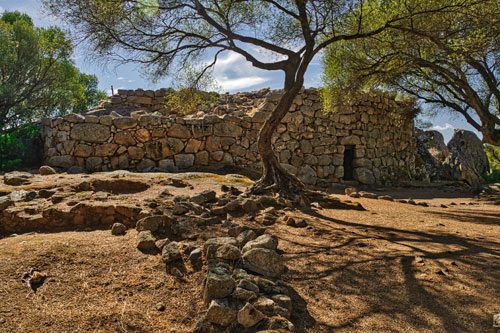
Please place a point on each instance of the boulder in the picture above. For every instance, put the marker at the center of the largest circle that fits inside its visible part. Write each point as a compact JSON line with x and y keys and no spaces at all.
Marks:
{"x":5,"y":202}
{"x":364,"y":176}
{"x":264,"y":261}
{"x":118,"y":229}
{"x":228,"y":252}
{"x":262,"y":242}
{"x":467,"y":160}
{"x":46,"y":170}
{"x":249,"y":316}
{"x":17,"y":178}
{"x":195,"y":258}
{"x":222,"y":312}
{"x":146,"y":241}
{"x":204,"y":197}
{"x":152,"y":223}
{"x":215,"y":243}
{"x":219,"y":284}
{"x":434,"y":141}
{"x":171,"y":252}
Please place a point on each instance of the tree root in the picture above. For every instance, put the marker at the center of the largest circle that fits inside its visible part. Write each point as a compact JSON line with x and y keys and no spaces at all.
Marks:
{"x":277,"y":181}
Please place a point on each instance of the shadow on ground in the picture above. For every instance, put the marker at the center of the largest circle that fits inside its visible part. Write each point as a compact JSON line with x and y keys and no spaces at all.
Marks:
{"x":374,"y":278}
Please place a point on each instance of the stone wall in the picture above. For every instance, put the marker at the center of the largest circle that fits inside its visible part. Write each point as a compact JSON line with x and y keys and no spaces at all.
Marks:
{"x":309,"y":142}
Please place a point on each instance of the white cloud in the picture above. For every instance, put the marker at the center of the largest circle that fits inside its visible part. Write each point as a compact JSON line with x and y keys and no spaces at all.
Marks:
{"x":130,"y":81}
{"x":446,"y":126}
{"x":234,"y":73}
{"x":240,"y":83}
{"x":120,"y":78}
{"x":1,"y":9}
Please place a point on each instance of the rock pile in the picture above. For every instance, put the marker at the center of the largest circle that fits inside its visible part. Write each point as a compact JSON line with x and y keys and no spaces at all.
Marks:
{"x":243,"y":288}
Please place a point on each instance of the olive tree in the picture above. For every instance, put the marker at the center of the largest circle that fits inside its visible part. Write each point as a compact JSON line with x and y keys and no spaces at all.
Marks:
{"x":273,"y":35}
{"x":448,"y":60}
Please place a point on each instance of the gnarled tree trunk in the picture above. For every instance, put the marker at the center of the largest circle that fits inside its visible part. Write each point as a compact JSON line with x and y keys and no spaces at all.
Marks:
{"x":275,"y":178}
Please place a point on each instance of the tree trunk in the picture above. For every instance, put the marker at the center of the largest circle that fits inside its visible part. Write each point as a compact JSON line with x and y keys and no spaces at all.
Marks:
{"x":275,"y":179}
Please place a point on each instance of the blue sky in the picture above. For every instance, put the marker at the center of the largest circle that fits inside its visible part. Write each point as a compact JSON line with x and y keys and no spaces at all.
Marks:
{"x":232,"y":72}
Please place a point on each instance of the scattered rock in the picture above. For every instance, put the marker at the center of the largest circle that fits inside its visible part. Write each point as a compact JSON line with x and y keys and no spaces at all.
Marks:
{"x":160,"y":307}
{"x":263,"y":242}
{"x":146,"y":241}
{"x":249,"y":206}
{"x":386,"y":197}
{"x":228,"y":252}
{"x":5,"y":202}
{"x":245,"y":236}
{"x":217,"y":242}
{"x":222,"y":312}
{"x":249,"y":316}
{"x":195,"y":257}
{"x":350,"y":190}
{"x":180,"y":209}
{"x":17,"y":178}
{"x":219,"y":284}
{"x":160,"y":244}
{"x":118,"y":229}
{"x":283,"y":301}
{"x":46,"y":170}
{"x":204,"y":197}
{"x":367,"y":195}
{"x":171,"y":252}
{"x":152,"y":223}
{"x":264,"y":261}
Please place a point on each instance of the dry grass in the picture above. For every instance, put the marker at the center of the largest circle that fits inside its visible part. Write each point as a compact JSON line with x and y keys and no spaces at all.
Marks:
{"x":97,"y":283}
{"x":392,"y":268}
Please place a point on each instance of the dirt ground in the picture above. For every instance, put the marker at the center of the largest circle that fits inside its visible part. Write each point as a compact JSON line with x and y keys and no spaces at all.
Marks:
{"x":392,"y":268}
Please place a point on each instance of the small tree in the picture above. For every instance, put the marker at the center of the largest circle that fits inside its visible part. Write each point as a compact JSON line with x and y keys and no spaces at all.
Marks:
{"x":449,"y":60}
{"x":37,"y":75}
{"x":164,"y":35}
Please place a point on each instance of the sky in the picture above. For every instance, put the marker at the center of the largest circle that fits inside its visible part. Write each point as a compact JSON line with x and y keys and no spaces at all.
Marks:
{"x":232,"y":72}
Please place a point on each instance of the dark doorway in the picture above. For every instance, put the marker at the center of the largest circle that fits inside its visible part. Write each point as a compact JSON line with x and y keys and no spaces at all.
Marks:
{"x":349,"y":163}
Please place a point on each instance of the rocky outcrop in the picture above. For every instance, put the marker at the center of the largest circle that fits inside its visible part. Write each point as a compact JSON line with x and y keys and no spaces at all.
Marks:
{"x":309,"y":142}
{"x":463,"y":159}
{"x":468,"y":161}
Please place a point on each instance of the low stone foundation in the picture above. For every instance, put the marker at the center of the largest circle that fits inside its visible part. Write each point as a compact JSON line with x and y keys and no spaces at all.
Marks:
{"x":370,"y":141}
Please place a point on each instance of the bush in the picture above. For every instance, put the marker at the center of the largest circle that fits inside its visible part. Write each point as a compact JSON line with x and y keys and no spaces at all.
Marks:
{"x":187,"y":101}
{"x":20,"y":148}
{"x":493,"y":153}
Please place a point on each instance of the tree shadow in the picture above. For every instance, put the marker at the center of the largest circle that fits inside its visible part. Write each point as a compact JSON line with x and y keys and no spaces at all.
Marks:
{"x":419,"y":282}
{"x":489,"y":217}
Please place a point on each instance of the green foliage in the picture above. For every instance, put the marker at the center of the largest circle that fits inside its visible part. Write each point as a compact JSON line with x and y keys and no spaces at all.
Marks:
{"x":189,"y":100}
{"x":21,"y":147}
{"x":493,"y":153}
{"x":38,"y":76}
{"x":447,"y":58}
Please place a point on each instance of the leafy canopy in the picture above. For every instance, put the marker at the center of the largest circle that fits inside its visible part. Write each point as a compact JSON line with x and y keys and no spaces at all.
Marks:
{"x":448,"y":59}
{"x":38,"y":77}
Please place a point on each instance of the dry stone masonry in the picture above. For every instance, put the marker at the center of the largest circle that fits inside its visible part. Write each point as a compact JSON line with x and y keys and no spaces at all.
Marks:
{"x":370,"y":141}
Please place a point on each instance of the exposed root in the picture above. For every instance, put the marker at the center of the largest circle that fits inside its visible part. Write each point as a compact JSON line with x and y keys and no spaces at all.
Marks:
{"x":277,"y":181}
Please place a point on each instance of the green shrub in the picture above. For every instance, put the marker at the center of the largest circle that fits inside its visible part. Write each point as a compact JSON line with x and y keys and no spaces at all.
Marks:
{"x":493,"y":153}
{"x":20,"y":148}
